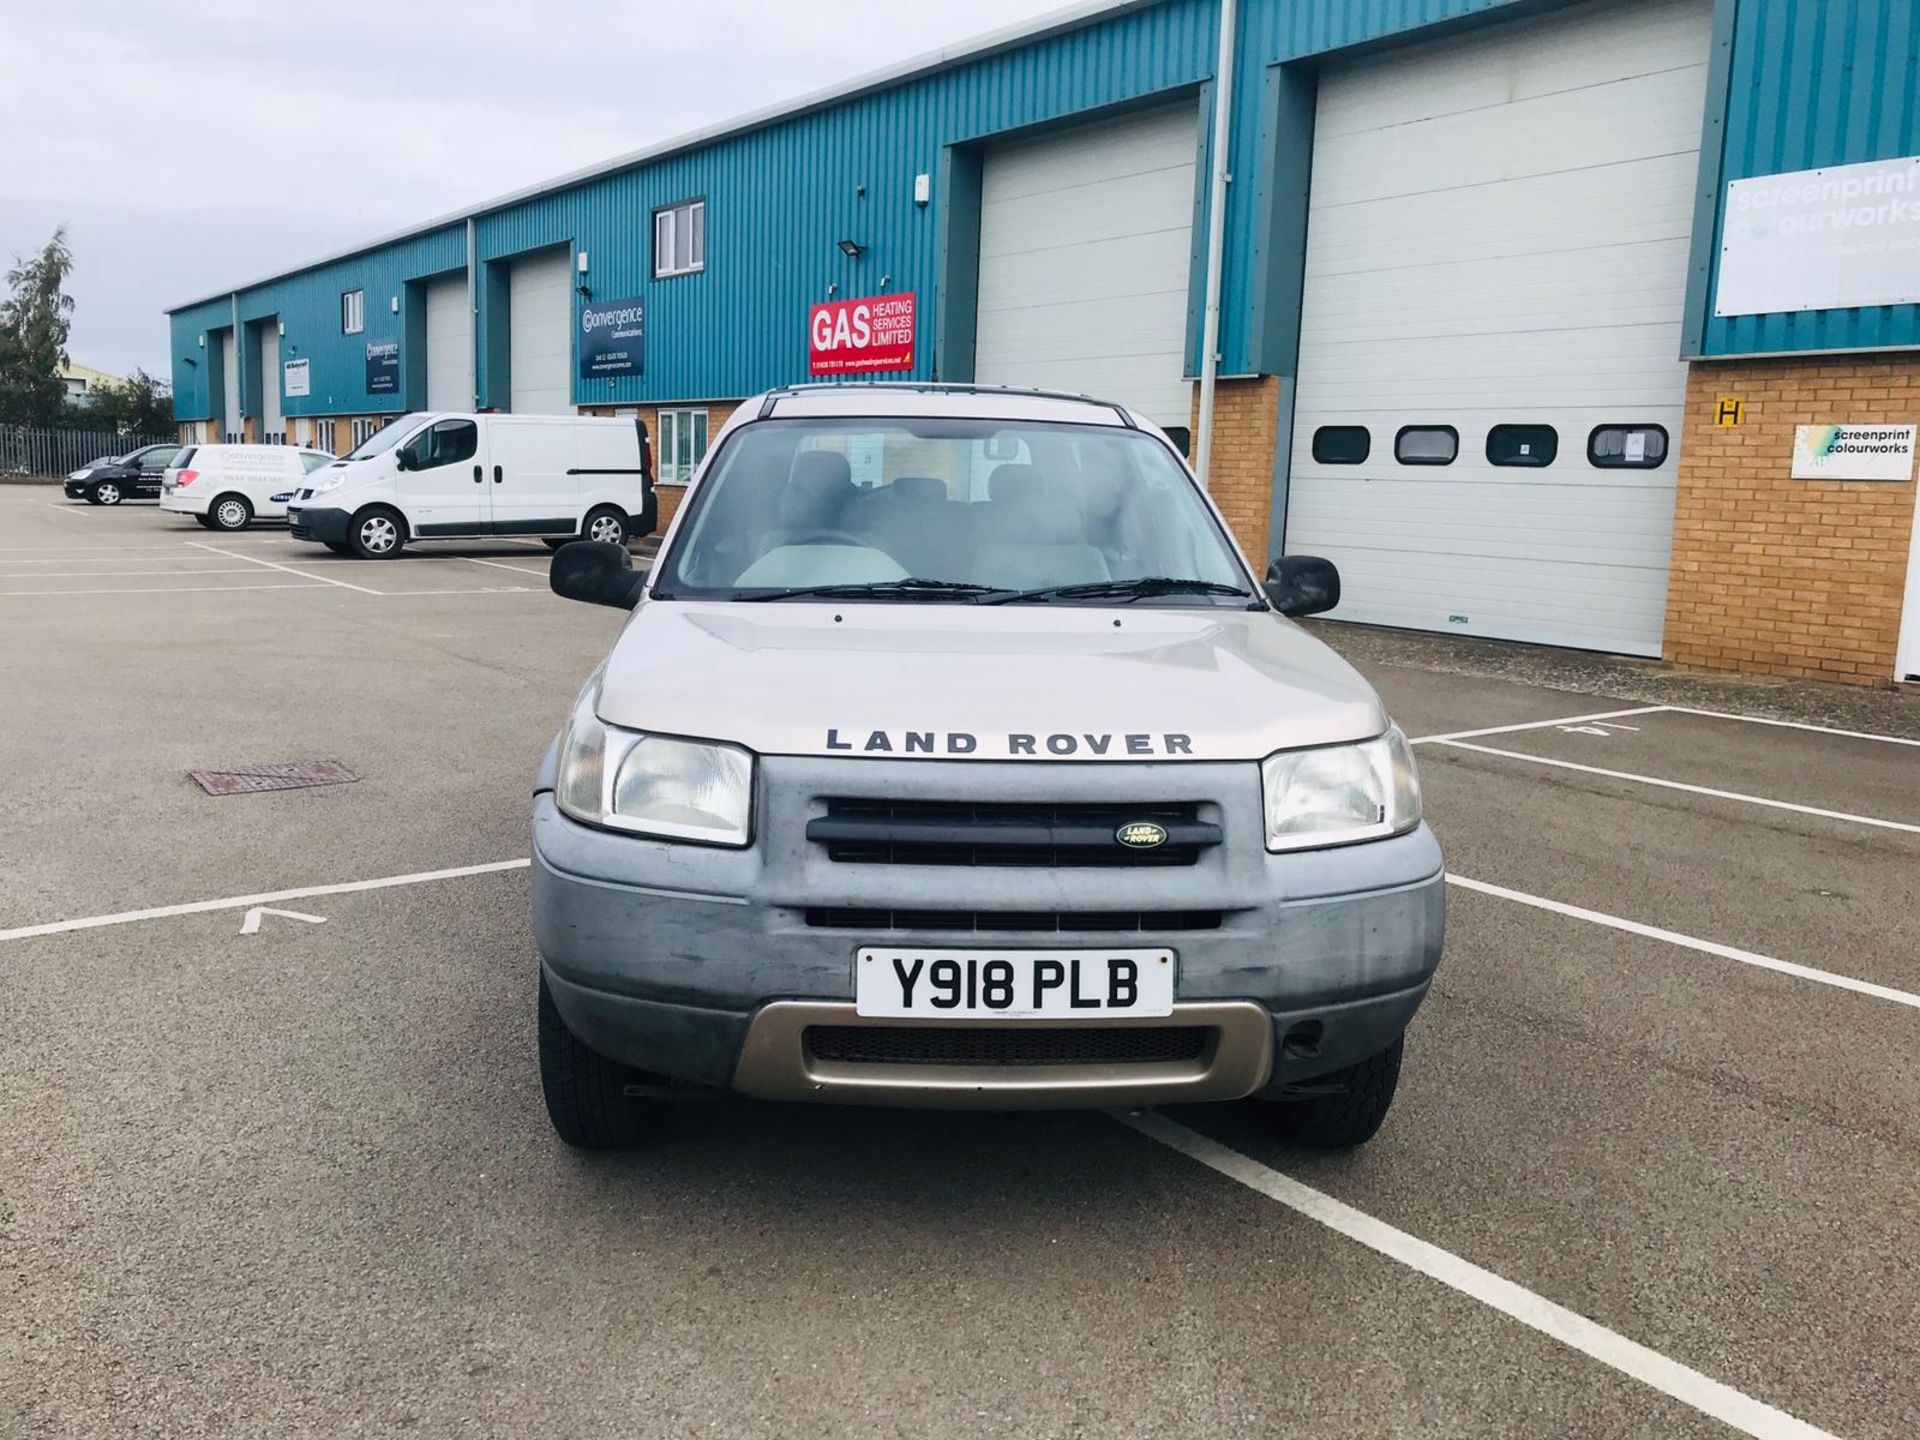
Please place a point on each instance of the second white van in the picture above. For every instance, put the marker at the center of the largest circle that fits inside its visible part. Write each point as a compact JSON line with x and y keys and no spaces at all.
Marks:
{"x":228,"y":487}
{"x":446,"y":476}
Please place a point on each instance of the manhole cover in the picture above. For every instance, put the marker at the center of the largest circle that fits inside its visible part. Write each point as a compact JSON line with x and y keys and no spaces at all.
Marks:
{"x":297,"y":775}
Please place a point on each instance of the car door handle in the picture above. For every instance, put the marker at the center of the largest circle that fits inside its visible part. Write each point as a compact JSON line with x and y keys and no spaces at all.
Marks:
{"x":496,"y":474}
{"x":476,"y":475}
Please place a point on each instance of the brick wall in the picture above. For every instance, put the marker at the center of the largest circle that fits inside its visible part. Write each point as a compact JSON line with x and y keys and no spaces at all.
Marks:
{"x":1246,"y":417}
{"x":1777,"y":576}
{"x":718,"y":413}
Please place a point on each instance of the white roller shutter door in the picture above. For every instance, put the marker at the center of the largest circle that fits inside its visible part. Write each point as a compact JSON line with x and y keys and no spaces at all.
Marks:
{"x":1086,"y":243}
{"x":449,"y":345}
{"x":540,"y":334}
{"x":273,"y":424}
{"x":1498,"y":234}
{"x":230,"y":421}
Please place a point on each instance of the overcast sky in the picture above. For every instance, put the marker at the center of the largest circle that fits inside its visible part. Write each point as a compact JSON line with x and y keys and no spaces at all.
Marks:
{"x":190,"y":145}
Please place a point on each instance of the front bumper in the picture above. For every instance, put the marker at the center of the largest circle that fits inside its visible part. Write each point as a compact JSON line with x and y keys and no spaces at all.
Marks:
{"x":78,"y":489}
{"x":712,"y":966}
{"x":323,"y":524}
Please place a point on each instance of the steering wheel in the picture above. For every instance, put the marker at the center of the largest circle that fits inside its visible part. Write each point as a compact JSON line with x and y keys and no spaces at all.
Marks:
{"x":828,"y":537}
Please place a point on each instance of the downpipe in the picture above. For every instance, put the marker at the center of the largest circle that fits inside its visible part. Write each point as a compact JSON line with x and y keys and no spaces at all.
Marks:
{"x":1216,"y":233}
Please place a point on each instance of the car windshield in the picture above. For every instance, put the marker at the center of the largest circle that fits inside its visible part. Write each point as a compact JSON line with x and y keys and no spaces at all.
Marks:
{"x":922,"y":511}
{"x":383,"y":439}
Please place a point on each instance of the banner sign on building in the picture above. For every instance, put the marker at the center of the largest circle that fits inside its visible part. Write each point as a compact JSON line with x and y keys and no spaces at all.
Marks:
{"x":849,"y":337}
{"x":1853,"y":452}
{"x":383,"y":367}
{"x":1831,"y":239}
{"x":612,"y":339}
{"x":297,"y":381}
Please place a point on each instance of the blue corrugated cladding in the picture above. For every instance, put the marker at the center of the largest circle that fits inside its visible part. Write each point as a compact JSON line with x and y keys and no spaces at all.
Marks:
{"x":1817,"y":83}
{"x":194,"y":394}
{"x":1810,"y":83}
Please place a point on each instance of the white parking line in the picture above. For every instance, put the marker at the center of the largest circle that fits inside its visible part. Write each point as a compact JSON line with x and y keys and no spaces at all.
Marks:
{"x":276,"y":565}
{"x":1688,"y":942}
{"x":1671,"y":1378}
{"x":502,"y":565}
{"x":124,"y":574}
{"x":1536,"y":725}
{"x":246,"y":902}
{"x":162,"y":590}
{"x":1791,"y":725}
{"x":1689,"y":789}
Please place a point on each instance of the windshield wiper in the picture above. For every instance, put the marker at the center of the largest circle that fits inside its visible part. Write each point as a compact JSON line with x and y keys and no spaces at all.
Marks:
{"x":1141,"y":588}
{"x":879,"y":590}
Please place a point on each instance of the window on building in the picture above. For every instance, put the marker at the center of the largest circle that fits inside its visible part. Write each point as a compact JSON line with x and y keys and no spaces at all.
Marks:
{"x":1342,"y":444}
{"x":681,"y":445}
{"x":353,"y":312}
{"x":365,"y":428}
{"x":1426,"y":445}
{"x":1627,"y":447}
{"x":323,"y":436}
{"x":680,"y":239}
{"x":1527,"y":446}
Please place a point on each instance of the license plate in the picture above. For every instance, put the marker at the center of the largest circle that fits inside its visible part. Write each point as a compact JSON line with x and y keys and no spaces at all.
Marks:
{"x":1012,"y":984}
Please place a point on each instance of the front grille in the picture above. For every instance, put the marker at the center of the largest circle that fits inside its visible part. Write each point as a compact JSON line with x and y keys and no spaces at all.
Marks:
{"x":1006,"y":833}
{"x":1048,"y":1045}
{"x":1026,"y":922}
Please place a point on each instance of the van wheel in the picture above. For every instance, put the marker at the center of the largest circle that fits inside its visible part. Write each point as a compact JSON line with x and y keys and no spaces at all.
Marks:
{"x":377,"y":534}
{"x":585,"y":1091}
{"x":229,"y":512}
{"x":1345,"y":1108}
{"x":605,"y":524}
{"x":205,"y":522}
{"x":554,"y":542}
{"x":105,"y":493}
{"x":338,"y":547}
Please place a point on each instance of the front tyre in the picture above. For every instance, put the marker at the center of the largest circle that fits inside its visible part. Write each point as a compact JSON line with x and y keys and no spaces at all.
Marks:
{"x":377,"y":533}
{"x":1345,"y":1108}
{"x":229,"y":512}
{"x":607,"y":523}
{"x":205,"y":522}
{"x":106,"y":493}
{"x":586,"y":1093}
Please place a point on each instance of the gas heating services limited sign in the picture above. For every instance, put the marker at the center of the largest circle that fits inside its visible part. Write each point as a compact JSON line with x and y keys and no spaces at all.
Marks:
{"x":852,"y":337}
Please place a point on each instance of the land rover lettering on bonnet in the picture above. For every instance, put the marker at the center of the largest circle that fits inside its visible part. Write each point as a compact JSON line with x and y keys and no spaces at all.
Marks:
{"x":953,"y":755}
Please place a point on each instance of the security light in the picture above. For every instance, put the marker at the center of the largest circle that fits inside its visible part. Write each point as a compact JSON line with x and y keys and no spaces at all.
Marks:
{"x":852,"y":249}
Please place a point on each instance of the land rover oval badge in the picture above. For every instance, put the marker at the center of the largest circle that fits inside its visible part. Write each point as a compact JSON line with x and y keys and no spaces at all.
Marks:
{"x":1141,"y":835}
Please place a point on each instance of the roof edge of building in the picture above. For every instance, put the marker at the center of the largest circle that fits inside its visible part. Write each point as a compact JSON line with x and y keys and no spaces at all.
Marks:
{"x":1007,"y":37}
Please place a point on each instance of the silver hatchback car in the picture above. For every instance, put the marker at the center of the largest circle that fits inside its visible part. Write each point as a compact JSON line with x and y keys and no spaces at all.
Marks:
{"x":953,"y":755}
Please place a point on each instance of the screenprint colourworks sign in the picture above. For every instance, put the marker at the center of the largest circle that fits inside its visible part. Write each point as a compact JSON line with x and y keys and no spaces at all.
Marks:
{"x":854,"y":337}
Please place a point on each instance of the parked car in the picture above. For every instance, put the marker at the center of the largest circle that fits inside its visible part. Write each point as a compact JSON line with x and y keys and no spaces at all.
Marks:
{"x":457,"y":476}
{"x":135,"y":476}
{"x":228,"y":487}
{"x":953,"y":755}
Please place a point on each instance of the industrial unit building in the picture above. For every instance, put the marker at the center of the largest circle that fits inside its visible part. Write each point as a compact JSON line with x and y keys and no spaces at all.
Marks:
{"x":1591,"y":324}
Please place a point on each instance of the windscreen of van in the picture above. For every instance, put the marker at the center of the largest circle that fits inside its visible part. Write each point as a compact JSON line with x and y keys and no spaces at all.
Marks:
{"x":977,"y":505}
{"x":383,"y":439}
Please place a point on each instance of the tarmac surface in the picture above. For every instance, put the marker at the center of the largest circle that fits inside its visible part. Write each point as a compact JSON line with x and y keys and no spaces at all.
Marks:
{"x":1654,"y":1168}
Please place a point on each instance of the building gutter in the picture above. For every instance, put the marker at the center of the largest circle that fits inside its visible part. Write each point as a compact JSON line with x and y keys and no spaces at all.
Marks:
{"x":1216,"y":234}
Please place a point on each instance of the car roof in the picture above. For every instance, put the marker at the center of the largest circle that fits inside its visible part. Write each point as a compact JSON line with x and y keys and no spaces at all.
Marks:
{"x":983,"y":402}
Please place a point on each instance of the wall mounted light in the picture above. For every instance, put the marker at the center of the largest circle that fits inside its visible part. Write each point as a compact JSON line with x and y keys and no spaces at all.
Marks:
{"x":885,"y":281}
{"x":585,"y":292}
{"x":852,"y":249}
{"x":203,"y":339}
{"x":282,"y":327}
{"x":922,"y":188}
{"x":189,"y":360}
{"x":393,"y":305}
{"x":583,"y":262}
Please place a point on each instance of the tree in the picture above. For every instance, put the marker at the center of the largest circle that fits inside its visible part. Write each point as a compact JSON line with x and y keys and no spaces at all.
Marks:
{"x":142,"y":405}
{"x":35,"y":319}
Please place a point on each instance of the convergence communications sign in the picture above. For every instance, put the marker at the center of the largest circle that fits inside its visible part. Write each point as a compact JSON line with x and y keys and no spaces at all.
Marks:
{"x":1833,"y":239}
{"x":613,"y":337}
{"x":853,"y":337}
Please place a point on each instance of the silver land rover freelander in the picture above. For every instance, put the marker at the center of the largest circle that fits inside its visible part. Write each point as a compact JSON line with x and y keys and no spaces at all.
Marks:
{"x":954,"y":756}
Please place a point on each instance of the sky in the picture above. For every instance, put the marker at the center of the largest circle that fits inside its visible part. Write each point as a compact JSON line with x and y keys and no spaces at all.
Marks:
{"x":193,"y":145}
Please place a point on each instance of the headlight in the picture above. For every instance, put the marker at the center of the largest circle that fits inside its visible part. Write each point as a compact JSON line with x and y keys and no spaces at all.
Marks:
{"x":1340,"y":793}
{"x":79,"y":474}
{"x":334,"y":482}
{"x":651,"y":784}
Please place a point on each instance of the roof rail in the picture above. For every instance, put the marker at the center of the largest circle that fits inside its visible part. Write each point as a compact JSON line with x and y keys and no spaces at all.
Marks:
{"x":942,"y":387}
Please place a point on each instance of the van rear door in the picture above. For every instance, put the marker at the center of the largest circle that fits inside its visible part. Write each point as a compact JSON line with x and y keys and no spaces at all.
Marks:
{"x":613,"y":465}
{"x":532,"y":481}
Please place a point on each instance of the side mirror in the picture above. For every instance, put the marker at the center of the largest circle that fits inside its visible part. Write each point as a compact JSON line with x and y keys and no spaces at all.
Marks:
{"x":402,"y":460}
{"x":596,"y":572}
{"x":1302,"y":585}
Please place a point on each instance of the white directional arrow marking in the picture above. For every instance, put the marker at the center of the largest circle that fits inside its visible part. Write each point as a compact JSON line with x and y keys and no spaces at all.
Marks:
{"x":251,"y":925}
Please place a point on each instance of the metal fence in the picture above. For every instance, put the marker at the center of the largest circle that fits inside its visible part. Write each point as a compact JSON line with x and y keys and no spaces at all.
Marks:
{"x":28,"y":451}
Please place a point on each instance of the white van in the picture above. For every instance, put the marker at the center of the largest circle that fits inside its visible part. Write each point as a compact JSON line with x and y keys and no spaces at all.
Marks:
{"x":227,"y":487}
{"x":454,"y":477}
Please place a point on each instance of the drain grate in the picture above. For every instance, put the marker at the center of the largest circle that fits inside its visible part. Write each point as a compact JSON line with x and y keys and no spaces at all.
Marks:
{"x":295,"y":775}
